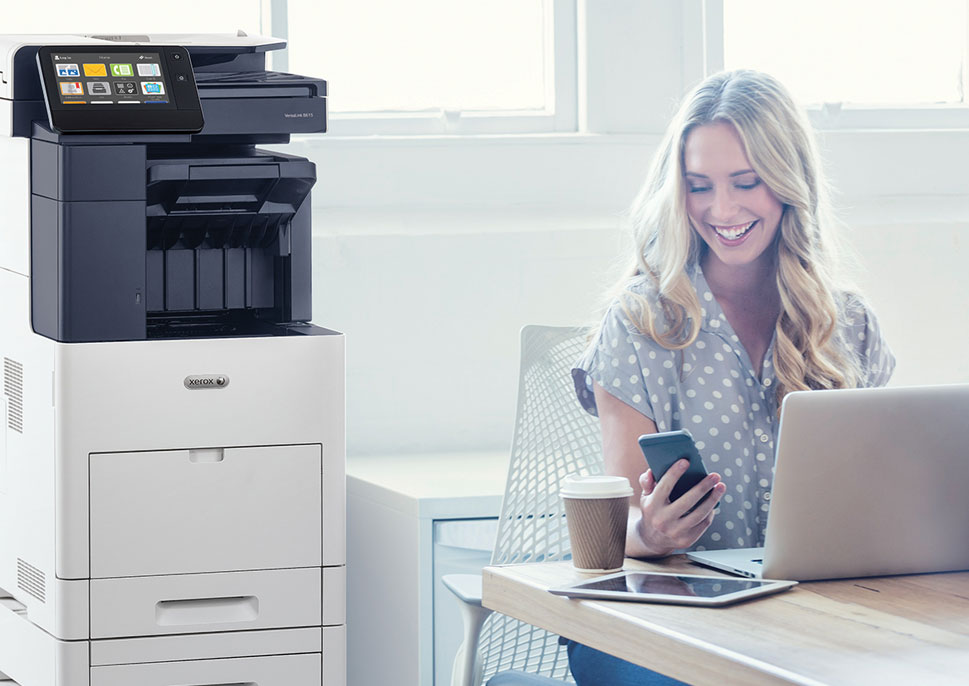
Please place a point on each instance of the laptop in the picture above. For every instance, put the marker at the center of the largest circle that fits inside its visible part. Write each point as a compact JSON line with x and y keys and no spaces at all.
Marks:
{"x":867,"y":482}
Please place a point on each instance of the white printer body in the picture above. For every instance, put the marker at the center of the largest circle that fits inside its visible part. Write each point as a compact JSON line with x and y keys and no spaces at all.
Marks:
{"x":172,"y":445}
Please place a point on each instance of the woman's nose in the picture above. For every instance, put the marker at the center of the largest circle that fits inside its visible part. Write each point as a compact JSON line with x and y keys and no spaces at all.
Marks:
{"x":724,"y":208}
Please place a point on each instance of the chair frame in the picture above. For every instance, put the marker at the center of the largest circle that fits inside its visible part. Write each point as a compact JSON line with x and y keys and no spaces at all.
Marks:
{"x":553,"y":437}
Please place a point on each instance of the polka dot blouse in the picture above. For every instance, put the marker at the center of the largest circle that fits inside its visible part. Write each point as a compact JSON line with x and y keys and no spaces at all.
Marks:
{"x":718,"y":396}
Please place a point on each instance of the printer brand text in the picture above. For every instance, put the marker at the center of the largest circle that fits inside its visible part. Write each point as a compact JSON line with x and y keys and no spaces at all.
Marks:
{"x":194,"y":383}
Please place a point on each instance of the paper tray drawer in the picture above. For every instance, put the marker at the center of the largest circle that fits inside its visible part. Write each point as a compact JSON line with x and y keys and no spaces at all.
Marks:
{"x":197,"y":603}
{"x":205,"y":510}
{"x":279,"y":670}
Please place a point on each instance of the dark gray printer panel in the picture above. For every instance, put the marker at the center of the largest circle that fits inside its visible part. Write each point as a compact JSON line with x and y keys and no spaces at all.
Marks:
{"x":134,"y":241}
{"x":87,"y":242}
{"x":87,"y":172}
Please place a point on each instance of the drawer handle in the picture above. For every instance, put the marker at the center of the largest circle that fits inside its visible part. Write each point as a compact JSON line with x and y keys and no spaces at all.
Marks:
{"x":206,"y":455}
{"x":207,"y":611}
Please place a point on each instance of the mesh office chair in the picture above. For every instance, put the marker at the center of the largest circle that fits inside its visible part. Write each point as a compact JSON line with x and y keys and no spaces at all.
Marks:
{"x":553,"y":437}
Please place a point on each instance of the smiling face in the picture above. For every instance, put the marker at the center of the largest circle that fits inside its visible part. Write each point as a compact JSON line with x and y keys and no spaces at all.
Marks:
{"x":732,"y":209}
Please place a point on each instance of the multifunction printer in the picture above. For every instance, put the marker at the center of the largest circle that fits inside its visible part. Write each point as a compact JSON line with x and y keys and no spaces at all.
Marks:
{"x":172,"y":446}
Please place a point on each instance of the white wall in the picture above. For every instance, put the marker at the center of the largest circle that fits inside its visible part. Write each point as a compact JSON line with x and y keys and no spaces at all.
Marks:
{"x":432,"y":326}
{"x":915,"y":276}
{"x":432,"y":300}
{"x":431,"y":253}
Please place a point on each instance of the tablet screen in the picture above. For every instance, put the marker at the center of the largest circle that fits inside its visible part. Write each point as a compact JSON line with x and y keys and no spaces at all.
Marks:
{"x":668,"y":584}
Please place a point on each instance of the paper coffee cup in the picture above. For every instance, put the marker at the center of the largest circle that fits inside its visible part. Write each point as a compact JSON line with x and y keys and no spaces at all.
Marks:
{"x":596,"y":510}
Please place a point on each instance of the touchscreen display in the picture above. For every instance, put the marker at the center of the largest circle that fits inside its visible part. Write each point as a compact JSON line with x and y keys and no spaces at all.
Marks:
{"x":641,"y":582}
{"x":111,"y":78}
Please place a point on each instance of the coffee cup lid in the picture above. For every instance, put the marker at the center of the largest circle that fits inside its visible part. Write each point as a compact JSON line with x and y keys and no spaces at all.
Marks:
{"x":599,"y":486}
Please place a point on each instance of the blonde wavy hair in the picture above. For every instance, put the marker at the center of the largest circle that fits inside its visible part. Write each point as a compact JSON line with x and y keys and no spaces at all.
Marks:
{"x":808,"y":350}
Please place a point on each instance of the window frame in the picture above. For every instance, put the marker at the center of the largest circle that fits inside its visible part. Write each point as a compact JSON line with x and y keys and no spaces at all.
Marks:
{"x":590,"y":173}
{"x":560,"y":114}
{"x":847,"y":116}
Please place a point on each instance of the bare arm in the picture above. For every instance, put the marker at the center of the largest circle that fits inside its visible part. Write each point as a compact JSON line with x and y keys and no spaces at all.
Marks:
{"x":656,"y":526}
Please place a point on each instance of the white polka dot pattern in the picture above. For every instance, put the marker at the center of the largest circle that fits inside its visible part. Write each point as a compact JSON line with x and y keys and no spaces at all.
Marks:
{"x":728,"y":407}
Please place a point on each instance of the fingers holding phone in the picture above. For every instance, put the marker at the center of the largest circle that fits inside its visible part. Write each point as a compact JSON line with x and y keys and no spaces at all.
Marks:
{"x":679,"y":507}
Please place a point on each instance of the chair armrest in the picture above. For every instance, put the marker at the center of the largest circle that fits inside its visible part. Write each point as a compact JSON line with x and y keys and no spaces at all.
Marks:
{"x":467,"y":587}
{"x":467,"y":664}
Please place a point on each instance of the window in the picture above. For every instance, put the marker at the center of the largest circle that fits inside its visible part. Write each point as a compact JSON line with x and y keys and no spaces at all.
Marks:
{"x":124,"y":17}
{"x":859,"y":63}
{"x":420,"y":67}
{"x":436,"y":66}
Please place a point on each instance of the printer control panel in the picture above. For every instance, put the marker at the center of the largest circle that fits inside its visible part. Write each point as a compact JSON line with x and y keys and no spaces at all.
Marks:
{"x":119,"y":88}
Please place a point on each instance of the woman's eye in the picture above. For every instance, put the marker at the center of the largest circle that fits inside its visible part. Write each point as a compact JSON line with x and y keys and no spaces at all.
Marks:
{"x":699,"y":189}
{"x":749,"y":186}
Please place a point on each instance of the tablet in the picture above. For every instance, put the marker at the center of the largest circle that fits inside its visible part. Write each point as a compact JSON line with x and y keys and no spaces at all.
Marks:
{"x":679,"y":589}
{"x":119,"y":88}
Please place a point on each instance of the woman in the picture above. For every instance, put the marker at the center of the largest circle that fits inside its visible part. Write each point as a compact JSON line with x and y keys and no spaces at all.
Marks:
{"x":732,"y":303}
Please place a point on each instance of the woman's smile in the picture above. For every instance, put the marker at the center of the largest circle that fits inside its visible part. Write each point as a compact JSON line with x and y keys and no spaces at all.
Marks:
{"x":733,"y":235}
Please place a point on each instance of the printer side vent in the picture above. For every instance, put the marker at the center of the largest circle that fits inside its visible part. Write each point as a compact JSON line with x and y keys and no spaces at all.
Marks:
{"x":31,"y":580}
{"x":13,"y":388}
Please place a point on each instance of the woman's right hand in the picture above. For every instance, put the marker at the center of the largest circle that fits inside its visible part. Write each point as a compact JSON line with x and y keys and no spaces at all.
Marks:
{"x":665,"y":526}
{"x":656,"y":526}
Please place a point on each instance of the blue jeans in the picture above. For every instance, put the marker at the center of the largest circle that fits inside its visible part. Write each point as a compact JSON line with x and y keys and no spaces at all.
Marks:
{"x":591,"y":667}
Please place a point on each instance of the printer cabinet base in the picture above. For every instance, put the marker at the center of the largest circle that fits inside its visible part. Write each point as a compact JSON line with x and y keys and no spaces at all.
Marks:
{"x":32,"y":657}
{"x":280,"y":670}
{"x":289,"y":657}
{"x":284,"y":657}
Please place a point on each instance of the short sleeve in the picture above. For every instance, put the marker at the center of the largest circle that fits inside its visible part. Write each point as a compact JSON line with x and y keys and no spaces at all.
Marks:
{"x":623,"y":361}
{"x":875,"y":359}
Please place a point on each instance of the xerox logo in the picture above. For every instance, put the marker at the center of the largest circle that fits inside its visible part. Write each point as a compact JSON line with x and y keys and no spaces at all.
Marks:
{"x":195,"y":383}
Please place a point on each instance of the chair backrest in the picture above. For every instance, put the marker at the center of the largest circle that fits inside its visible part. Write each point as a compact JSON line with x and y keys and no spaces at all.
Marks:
{"x":553,"y":437}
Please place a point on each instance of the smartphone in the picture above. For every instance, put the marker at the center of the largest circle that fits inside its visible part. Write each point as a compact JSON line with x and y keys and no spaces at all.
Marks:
{"x":663,"y":449}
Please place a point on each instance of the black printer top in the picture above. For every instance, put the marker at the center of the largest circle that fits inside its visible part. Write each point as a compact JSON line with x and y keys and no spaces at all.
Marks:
{"x":257,"y":84}
{"x":239,"y":98}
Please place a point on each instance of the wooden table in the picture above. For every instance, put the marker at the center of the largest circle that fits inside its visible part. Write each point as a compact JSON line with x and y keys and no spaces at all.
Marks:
{"x":910,"y":630}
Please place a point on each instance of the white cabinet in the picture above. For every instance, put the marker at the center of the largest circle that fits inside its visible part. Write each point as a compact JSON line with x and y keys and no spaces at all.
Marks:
{"x":461,"y":546}
{"x":410,"y":519}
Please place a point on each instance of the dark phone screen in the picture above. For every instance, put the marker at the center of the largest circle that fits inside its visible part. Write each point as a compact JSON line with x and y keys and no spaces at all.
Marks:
{"x":662,"y":450}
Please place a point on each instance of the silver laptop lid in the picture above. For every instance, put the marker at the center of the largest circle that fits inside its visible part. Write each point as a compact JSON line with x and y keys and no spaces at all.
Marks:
{"x":870,"y":482}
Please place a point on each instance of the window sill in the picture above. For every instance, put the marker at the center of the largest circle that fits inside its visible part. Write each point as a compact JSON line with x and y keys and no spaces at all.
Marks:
{"x":478,"y":140}
{"x":601,"y":173}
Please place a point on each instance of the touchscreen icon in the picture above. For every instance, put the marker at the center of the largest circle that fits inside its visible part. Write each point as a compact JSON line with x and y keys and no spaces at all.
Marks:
{"x":71,"y":88}
{"x":152,"y":88}
{"x":149,"y":70}
{"x":67,"y":70}
{"x":121,"y":70}
{"x":98,"y":88}
{"x":95,"y":70}
{"x":125,"y":88}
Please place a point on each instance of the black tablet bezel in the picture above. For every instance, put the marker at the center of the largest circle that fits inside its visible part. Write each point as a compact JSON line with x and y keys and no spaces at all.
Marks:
{"x":763,"y":587}
{"x":184,"y":117}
